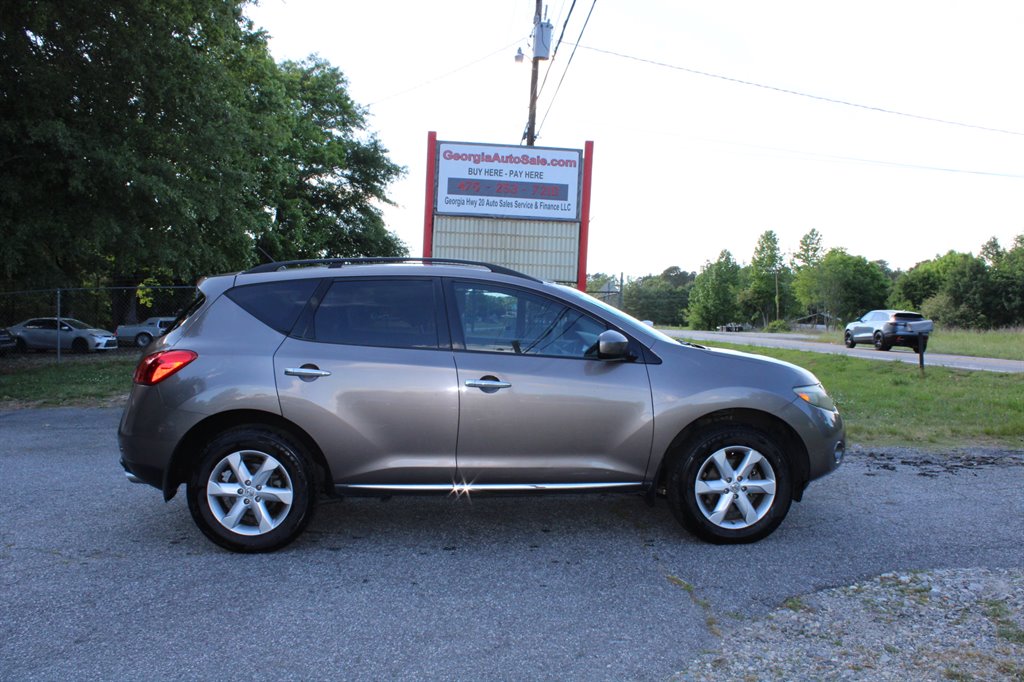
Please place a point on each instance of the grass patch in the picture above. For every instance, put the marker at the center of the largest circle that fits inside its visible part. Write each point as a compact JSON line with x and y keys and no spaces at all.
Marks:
{"x":1006,"y":629}
{"x":795,"y":604}
{"x":38,"y":380}
{"x":1005,"y":344}
{"x":892,"y":403}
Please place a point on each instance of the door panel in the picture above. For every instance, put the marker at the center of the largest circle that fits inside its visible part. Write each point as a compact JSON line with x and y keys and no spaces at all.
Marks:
{"x":561,"y":420}
{"x":382,"y":415}
{"x":373,"y":384}
{"x":537,"y":405}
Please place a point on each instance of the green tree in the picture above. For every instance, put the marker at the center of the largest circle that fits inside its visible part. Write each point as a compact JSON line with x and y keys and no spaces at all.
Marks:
{"x":768,"y":291}
{"x":810,"y":252}
{"x":657,"y":298}
{"x":325,"y":199}
{"x":146,"y":137}
{"x":713,"y":296}
{"x":918,"y":284}
{"x":850,"y":285}
{"x":599,"y":282}
{"x":963,"y":295}
{"x":1007,"y":279}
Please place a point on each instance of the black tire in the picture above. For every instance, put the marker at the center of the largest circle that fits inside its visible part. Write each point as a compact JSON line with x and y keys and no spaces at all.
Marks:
{"x":848,"y":340}
{"x":286,"y":467}
{"x":79,"y":346}
{"x":20,"y":346}
{"x":699,"y":513}
{"x":880,"y":343}
{"x":142,"y":339}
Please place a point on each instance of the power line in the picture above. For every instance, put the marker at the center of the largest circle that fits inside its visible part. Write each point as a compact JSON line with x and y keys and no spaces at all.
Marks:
{"x":798,"y":93}
{"x":567,"y":65}
{"x":879,"y":162}
{"x":818,"y":156}
{"x":449,"y":73}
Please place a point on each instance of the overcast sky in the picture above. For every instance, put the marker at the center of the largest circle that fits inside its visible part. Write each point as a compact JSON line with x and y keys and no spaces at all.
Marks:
{"x":688,"y":164}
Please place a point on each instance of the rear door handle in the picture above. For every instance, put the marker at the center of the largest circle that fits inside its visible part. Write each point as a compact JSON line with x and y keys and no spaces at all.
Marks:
{"x":493,"y":384}
{"x":307,"y":372}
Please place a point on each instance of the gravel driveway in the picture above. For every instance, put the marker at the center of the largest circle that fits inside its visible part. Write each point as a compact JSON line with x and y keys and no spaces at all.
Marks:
{"x":99,"y":579}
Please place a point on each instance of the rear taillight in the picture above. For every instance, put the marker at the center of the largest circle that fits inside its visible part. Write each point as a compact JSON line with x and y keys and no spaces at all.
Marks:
{"x":156,"y":367}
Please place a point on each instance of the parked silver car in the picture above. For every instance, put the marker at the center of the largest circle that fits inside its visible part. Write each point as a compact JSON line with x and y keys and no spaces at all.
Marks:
{"x":142,"y":333}
{"x":44,"y":333}
{"x":355,"y":377}
{"x":7,"y":342}
{"x":887,"y":328}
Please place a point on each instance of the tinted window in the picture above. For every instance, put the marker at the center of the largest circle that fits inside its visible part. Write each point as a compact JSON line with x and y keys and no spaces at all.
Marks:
{"x":390,"y":313}
{"x":188,"y":311}
{"x":275,"y":304}
{"x":502,"y":320}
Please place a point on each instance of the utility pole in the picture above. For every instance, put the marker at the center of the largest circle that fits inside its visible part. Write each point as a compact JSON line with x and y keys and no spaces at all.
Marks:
{"x":541,"y":50}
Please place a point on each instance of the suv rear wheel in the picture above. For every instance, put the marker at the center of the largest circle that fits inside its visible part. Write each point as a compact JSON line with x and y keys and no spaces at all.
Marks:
{"x":848,"y":339}
{"x":880,"y":343}
{"x":731,"y":485}
{"x":252,"y":490}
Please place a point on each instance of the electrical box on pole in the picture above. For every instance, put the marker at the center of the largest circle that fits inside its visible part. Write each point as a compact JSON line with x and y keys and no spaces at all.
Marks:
{"x":542,"y":40}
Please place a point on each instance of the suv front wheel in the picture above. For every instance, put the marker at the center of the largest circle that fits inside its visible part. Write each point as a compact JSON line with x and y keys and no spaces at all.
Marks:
{"x":731,"y":485}
{"x":252,"y":490}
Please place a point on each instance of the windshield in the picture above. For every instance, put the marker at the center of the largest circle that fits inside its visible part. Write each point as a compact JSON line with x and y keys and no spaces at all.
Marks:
{"x":622,"y":319}
{"x":75,"y":324}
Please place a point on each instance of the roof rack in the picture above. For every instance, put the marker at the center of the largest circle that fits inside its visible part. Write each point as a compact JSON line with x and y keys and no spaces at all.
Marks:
{"x":339,"y":262}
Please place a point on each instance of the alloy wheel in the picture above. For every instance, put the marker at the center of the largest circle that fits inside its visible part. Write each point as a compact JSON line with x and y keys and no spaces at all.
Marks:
{"x":249,"y":492}
{"x":735,"y":487}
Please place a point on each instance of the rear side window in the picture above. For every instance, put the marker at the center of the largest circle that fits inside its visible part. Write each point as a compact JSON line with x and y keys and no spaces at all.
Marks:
{"x":275,"y":304}
{"x":389,"y":313}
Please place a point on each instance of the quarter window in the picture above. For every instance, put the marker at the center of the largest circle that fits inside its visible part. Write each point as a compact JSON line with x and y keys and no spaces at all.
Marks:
{"x":502,"y":320}
{"x":275,"y":304}
{"x":394,"y":314}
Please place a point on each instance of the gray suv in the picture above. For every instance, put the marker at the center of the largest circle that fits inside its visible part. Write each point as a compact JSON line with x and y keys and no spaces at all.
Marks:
{"x":380,"y":377}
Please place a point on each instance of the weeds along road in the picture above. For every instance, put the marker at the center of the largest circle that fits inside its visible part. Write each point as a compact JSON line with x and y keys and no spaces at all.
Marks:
{"x":799,"y":342}
{"x":100,"y":579}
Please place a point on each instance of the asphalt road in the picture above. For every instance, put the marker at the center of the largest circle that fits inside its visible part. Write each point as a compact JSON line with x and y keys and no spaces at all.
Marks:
{"x":100,"y":579}
{"x":800,"y":342}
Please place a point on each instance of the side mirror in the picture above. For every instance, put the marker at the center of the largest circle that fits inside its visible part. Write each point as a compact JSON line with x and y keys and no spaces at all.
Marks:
{"x":612,"y":345}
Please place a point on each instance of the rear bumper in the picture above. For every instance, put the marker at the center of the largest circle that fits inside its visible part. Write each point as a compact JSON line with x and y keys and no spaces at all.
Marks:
{"x":908,"y":339}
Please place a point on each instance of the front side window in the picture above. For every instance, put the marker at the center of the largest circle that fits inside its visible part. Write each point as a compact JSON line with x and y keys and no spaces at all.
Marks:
{"x":504,"y":320}
{"x":388,"y":313}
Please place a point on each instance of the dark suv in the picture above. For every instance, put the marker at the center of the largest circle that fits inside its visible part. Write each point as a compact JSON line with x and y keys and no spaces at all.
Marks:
{"x":887,"y":328}
{"x":365,"y":377}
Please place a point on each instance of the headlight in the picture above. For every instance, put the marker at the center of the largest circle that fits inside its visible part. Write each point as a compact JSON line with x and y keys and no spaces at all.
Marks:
{"x":815,"y":395}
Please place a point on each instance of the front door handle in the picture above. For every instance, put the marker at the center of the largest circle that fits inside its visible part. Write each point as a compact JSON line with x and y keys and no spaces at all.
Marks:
{"x":488,"y":383}
{"x":307,"y":372}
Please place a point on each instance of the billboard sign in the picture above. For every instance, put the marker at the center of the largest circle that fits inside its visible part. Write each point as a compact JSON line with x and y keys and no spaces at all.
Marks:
{"x":505,"y":181}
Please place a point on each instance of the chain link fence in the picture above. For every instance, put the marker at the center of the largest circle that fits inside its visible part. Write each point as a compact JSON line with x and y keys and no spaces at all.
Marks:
{"x":100,"y":307}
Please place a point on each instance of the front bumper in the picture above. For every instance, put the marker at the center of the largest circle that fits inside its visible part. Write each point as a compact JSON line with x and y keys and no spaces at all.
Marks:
{"x":824,"y":435}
